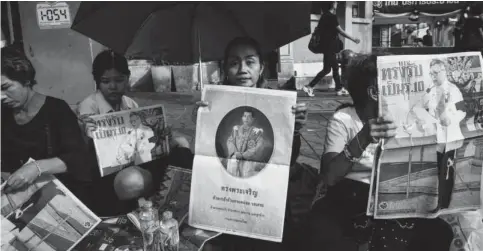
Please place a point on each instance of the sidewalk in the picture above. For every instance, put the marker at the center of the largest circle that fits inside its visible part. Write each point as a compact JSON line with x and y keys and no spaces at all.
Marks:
{"x":179,"y":107}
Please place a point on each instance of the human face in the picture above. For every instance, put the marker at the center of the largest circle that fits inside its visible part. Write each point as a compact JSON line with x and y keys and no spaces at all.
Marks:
{"x":113,"y":85}
{"x":243,"y":67}
{"x":247,"y":118}
{"x":135,"y":121}
{"x":14,"y":94}
{"x":438,"y":74}
{"x":334,"y":6}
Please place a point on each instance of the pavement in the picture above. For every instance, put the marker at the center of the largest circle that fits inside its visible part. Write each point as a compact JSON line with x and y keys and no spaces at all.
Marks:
{"x":179,"y":107}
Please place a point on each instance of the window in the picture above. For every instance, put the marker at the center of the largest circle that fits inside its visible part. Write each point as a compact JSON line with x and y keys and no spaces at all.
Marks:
{"x":359,"y":9}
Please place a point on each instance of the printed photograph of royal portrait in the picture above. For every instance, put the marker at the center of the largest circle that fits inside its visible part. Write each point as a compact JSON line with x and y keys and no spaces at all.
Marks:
{"x":244,"y":141}
{"x":146,"y":138}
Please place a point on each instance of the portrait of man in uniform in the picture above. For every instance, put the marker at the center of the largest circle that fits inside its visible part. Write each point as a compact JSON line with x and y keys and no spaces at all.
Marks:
{"x":248,"y":144}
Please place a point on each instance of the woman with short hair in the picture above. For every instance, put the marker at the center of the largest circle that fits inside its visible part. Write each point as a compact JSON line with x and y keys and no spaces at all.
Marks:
{"x":36,"y":127}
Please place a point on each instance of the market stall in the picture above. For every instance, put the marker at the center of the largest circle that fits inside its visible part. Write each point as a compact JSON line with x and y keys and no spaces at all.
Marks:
{"x":399,"y":26}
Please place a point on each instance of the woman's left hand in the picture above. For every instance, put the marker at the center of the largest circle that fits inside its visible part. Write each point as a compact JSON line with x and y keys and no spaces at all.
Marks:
{"x":300,"y":111}
{"x":24,"y":176}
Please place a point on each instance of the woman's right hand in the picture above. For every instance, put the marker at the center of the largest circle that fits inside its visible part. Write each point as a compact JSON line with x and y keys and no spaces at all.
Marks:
{"x":381,"y":128}
{"x":198,"y":104}
{"x":89,"y":124}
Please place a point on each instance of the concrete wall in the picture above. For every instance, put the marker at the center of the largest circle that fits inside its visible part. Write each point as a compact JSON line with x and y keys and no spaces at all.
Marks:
{"x":360,"y":28}
{"x":61,"y":57}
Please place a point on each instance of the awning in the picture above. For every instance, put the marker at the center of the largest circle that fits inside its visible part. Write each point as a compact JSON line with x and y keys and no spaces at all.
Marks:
{"x":403,"y":18}
{"x":398,"y":12}
{"x":433,"y":7}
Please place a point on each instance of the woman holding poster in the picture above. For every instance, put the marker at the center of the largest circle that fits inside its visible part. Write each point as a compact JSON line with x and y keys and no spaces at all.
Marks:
{"x":117,"y":193}
{"x":243,"y":66}
{"x":352,"y":141}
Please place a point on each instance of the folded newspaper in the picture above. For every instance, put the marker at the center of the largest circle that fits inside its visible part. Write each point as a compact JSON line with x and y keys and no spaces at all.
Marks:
{"x":130,"y":137}
{"x":123,"y":233}
{"x":433,"y":166}
{"x":44,"y":216}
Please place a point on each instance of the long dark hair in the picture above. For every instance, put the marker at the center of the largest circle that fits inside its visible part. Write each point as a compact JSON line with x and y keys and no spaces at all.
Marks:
{"x":248,"y":41}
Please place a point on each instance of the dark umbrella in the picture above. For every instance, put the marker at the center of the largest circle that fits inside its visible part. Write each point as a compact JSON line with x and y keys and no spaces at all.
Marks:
{"x":190,"y":32}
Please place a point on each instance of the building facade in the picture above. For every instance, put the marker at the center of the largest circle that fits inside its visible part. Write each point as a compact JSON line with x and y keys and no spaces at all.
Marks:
{"x":63,"y":58}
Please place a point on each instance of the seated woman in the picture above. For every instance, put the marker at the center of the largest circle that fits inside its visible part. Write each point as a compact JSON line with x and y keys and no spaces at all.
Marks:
{"x":37,"y":127}
{"x":117,"y":193}
{"x":243,"y":66}
{"x":350,"y":146}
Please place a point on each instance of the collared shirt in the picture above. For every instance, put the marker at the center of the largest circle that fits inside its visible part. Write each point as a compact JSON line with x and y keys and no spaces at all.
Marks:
{"x":344,"y":125}
{"x":95,"y":103}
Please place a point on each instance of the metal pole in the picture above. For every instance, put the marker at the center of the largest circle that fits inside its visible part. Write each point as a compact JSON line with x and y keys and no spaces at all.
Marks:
{"x":200,"y":70}
{"x":10,"y":22}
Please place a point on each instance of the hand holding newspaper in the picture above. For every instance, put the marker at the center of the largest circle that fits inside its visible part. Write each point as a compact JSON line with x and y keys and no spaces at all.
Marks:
{"x":130,"y":137}
{"x":44,"y":216}
{"x":433,"y":165}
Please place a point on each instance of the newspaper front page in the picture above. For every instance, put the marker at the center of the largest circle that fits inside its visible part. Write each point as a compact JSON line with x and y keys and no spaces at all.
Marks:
{"x":44,"y":216}
{"x":433,"y":165}
{"x":242,"y":159}
{"x":130,"y":137}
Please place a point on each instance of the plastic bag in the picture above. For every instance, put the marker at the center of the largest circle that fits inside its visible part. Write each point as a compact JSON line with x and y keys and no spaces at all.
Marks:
{"x":468,"y":230}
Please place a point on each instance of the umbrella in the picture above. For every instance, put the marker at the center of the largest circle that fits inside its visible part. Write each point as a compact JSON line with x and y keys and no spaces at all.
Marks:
{"x":189,"y":32}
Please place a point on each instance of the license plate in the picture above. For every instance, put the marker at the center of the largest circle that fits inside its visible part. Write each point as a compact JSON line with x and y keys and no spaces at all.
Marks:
{"x":53,"y":16}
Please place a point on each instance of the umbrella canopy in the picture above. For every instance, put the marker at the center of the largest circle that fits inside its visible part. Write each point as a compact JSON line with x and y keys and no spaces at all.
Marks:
{"x":187,"y":32}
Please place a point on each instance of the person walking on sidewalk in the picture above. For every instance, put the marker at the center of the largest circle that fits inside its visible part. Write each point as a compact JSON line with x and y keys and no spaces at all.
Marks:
{"x":329,"y":25}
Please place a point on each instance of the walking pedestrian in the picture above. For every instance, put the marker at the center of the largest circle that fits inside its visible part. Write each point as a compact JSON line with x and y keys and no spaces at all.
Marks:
{"x":329,"y":26}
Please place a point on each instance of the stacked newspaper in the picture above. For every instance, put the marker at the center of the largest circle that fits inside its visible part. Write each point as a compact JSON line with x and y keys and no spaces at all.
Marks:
{"x":44,"y":216}
{"x":433,"y":166}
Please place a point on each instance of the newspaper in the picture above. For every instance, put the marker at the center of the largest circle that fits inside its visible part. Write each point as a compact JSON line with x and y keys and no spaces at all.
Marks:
{"x":130,"y":137}
{"x":242,"y":159}
{"x":433,"y":166}
{"x":45,"y":216}
{"x":122,"y":233}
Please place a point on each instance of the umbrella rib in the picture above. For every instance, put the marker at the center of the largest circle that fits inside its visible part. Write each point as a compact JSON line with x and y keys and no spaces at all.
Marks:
{"x":139,"y":29}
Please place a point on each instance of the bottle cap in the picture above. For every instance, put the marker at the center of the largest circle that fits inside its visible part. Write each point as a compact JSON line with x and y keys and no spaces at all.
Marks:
{"x":147,"y":204}
{"x":167,"y":215}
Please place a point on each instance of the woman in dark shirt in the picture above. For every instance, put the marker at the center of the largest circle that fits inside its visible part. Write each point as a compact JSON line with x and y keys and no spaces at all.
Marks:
{"x":37,"y":127}
{"x":330,"y":29}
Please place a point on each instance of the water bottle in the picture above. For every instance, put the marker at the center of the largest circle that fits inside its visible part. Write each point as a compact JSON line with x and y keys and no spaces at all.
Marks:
{"x":170,"y":231}
{"x":149,"y":222}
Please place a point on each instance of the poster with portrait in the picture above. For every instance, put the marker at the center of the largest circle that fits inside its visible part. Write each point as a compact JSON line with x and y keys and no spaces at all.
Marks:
{"x":44,"y":216}
{"x":242,"y":158}
{"x":130,"y":137}
{"x":433,"y":166}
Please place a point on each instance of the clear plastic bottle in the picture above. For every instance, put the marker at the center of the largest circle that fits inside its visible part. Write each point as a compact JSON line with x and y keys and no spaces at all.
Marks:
{"x":170,"y":230}
{"x":149,"y":222}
